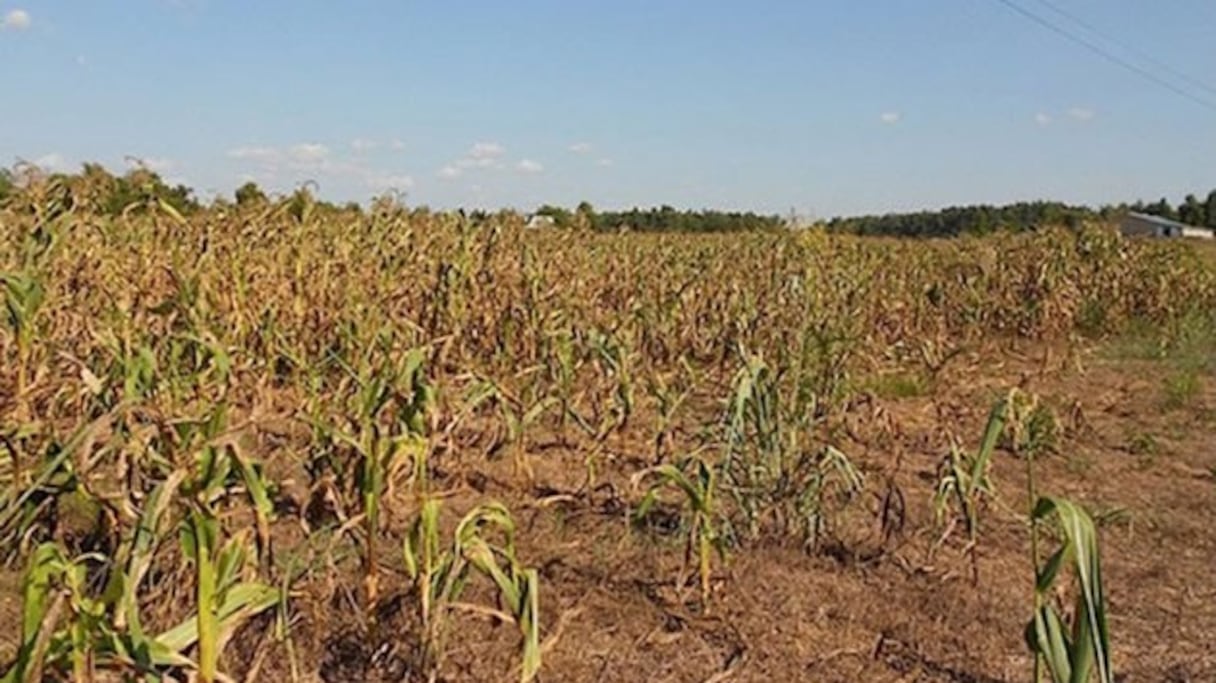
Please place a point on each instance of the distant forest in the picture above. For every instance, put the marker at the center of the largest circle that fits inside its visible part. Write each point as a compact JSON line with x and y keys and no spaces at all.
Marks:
{"x":112,"y":194}
{"x":982,"y":219}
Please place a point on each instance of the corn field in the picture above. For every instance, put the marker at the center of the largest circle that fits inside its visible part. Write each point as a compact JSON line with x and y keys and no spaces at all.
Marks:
{"x":216,"y":433}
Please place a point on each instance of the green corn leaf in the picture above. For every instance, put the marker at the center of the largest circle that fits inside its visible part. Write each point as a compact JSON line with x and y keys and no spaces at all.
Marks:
{"x":530,"y":625}
{"x":1087,"y":649}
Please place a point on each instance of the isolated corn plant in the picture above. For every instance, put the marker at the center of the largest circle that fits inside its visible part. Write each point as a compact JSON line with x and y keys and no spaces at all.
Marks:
{"x":224,"y":598}
{"x":388,"y":433}
{"x":517,"y":415}
{"x":441,"y":574}
{"x":963,"y":485}
{"x":1075,"y":649}
{"x":819,"y":475}
{"x":772,"y":466}
{"x":706,"y":532}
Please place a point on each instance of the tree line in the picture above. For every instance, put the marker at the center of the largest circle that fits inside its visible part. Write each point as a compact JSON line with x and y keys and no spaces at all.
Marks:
{"x":661,"y":219}
{"x":1021,"y":216}
{"x":112,"y":194}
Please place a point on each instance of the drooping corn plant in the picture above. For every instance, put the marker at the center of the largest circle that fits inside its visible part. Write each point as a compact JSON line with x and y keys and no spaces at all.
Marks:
{"x":963,"y":486}
{"x":1075,"y":648}
{"x":518,"y":415}
{"x":225,"y":598}
{"x":615,"y":362}
{"x":387,"y":435}
{"x":706,"y":532}
{"x":440,"y":575}
{"x":670,"y":391}
{"x":24,"y":294}
{"x":778,"y":475}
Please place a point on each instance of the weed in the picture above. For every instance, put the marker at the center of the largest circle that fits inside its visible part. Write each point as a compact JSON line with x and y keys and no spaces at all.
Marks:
{"x":895,"y":386}
{"x":1180,"y":388}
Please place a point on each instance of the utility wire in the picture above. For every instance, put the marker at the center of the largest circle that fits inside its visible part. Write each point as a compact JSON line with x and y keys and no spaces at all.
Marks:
{"x":1106,"y":54}
{"x":1194,"y":82}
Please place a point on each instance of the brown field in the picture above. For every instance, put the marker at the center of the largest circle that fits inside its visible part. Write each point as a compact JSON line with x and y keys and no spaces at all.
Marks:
{"x":305,"y":387}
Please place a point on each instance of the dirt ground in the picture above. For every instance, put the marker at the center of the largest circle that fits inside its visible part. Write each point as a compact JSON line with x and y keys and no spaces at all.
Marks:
{"x":1138,"y":448}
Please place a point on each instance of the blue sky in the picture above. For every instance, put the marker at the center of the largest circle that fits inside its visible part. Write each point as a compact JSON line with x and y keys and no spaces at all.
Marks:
{"x":825,"y":107}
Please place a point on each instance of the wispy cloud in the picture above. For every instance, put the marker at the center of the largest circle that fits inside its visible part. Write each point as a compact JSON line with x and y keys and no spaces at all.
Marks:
{"x":604,"y":162}
{"x":1082,"y":114}
{"x":363,"y":145}
{"x":890,"y":117}
{"x":396,"y":145}
{"x":529,"y":166}
{"x":253,"y":153}
{"x":154,"y":164}
{"x":321,"y":163}
{"x":483,"y":155}
{"x":580,"y":147}
{"x":16,"y":20}
{"x":308,"y":153}
{"x":486,"y":150}
{"x":390,"y":182}
{"x":51,"y":162}
{"x":1042,"y":119}
{"x":480,"y":155}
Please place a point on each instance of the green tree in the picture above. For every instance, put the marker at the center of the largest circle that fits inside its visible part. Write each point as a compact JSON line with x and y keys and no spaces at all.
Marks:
{"x":562,"y":218}
{"x":249,"y":194}
{"x":1162,"y":208}
{"x":7,"y":186}
{"x":584,"y":216}
{"x":1192,"y":211}
{"x":1210,"y":212}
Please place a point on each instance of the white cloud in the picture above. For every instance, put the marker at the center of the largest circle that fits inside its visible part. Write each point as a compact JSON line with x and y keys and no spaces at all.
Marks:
{"x":604,"y":162}
{"x":254,"y":153}
{"x":580,"y":147}
{"x":316,"y":161}
{"x":480,"y":155}
{"x":363,"y":145}
{"x":1081,"y":114}
{"x":308,"y":152}
{"x":390,"y":182}
{"x":396,"y":145}
{"x":17,"y":20}
{"x":484,"y":162}
{"x":1042,"y":119}
{"x":486,"y":150}
{"x":890,"y":117}
{"x":51,"y":162}
{"x":529,"y":166}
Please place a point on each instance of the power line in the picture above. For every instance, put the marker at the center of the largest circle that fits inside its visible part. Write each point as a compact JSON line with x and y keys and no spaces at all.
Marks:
{"x":1195,"y":82}
{"x":1106,"y":54}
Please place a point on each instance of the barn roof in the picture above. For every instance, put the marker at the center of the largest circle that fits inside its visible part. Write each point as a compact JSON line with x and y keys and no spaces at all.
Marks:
{"x":1158,"y":220}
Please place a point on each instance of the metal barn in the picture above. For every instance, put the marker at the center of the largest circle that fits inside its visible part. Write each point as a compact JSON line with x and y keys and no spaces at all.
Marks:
{"x":1144,"y":225}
